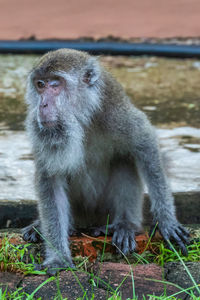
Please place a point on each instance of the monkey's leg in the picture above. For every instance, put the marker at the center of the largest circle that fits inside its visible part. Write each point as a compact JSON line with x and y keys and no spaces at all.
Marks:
{"x":32,"y":232}
{"x":54,"y":218}
{"x":124,"y":194}
{"x":148,"y":160}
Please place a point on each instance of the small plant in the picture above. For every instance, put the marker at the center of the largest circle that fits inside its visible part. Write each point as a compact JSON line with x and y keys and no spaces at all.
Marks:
{"x":16,"y":295}
{"x":160,"y":254}
{"x":12,"y":258}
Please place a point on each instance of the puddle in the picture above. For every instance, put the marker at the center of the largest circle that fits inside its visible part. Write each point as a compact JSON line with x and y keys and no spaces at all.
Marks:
{"x":17,"y":168}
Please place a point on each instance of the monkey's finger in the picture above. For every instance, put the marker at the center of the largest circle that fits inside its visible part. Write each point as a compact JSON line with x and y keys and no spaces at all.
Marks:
{"x":184,"y":230}
{"x":166,"y":238}
{"x":33,"y":238}
{"x":125,"y":246}
{"x":184,"y":250}
{"x":165,"y":234}
{"x":114,"y":238}
{"x":120,"y":237}
{"x":183,"y":237}
{"x":168,"y":246}
{"x":177,"y":239}
{"x":179,"y":242}
{"x":132,"y":243}
{"x":117,"y":239}
{"x":26,"y":236}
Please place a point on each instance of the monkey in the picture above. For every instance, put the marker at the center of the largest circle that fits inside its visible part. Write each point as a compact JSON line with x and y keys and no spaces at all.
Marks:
{"x":93,"y":151}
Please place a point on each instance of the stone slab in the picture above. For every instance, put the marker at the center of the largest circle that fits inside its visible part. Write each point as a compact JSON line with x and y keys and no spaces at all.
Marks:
{"x":69,"y":285}
{"x":108,"y":277}
{"x":10,"y":281}
{"x":145,"y":277}
{"x":175,"y":272}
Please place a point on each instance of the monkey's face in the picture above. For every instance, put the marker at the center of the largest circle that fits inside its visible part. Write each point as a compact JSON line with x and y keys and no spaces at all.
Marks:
{"x":63,"y":93}
{"x":49,"y":91}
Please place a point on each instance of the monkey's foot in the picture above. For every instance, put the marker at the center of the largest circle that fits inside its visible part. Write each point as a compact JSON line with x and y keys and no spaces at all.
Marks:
{"x":101,"y":230}
{"x":31,"y":233}
{"x":54,"y":267}
{"x":124,"y":237}
{"x":172,"y":231}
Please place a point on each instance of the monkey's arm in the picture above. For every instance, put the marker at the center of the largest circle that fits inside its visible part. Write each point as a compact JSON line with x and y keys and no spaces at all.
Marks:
{"x":147,"y":156}
{"x":54,"y":219}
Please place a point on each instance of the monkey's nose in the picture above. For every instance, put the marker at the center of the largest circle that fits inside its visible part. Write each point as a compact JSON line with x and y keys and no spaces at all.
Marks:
{"x":43,"y":105}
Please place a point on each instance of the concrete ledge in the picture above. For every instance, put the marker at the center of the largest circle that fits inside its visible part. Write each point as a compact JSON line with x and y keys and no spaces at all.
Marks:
{"x":19,"y":214}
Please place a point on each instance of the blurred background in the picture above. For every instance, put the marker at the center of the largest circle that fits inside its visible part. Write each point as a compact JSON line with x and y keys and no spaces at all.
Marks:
{"x":71,"y":19}
{"x":166,"y":88}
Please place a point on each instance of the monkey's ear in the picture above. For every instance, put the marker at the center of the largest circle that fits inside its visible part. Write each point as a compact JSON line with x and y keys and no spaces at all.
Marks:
{"x":91,"y":72}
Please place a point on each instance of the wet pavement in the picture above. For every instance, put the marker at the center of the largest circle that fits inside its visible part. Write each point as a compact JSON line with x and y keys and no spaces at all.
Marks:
{"x":166,"y":89}
{"x":180,"y":146}
{"x":17,"y":169}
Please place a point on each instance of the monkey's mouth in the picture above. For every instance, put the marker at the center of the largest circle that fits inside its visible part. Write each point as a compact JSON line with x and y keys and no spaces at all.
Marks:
{"x":49,"y":124}
{"x":52,"y":129}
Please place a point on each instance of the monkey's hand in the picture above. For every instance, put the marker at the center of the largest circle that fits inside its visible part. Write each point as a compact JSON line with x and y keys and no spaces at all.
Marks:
{"x":31,"y":232}
{"x":123,"y":237}
{"x":171,"y":230}
{"x":54,"y":267}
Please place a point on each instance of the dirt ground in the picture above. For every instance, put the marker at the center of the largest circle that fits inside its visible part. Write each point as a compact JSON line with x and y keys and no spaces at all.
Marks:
{"x":69,"y":19}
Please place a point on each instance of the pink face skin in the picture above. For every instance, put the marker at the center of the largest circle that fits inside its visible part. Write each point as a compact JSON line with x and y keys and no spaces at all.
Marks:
{"x":49,"y":89}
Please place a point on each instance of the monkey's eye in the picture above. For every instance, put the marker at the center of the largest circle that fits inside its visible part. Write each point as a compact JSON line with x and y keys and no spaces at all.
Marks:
{"x":54,"y":83}
{"x":40,"y":84}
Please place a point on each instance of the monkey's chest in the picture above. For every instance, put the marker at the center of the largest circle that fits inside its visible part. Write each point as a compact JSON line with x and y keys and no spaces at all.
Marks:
{"x":86,"y":191}
{"x":90,"y":183}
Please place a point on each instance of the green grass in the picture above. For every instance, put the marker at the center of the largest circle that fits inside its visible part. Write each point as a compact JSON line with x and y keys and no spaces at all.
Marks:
{"x":12,"y":260}
{"x":20,"y":295}
{"x":161,"y":255}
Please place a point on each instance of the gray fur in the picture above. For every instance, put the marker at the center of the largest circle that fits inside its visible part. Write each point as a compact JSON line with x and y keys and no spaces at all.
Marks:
{"x":94,"y":167}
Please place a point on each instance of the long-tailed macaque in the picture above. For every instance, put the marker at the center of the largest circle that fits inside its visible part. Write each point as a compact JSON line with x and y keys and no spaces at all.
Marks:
{"x":92,"y":149}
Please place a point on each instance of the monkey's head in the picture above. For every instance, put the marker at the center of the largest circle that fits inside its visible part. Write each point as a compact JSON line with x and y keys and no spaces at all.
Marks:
{"x":63,"y":88}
